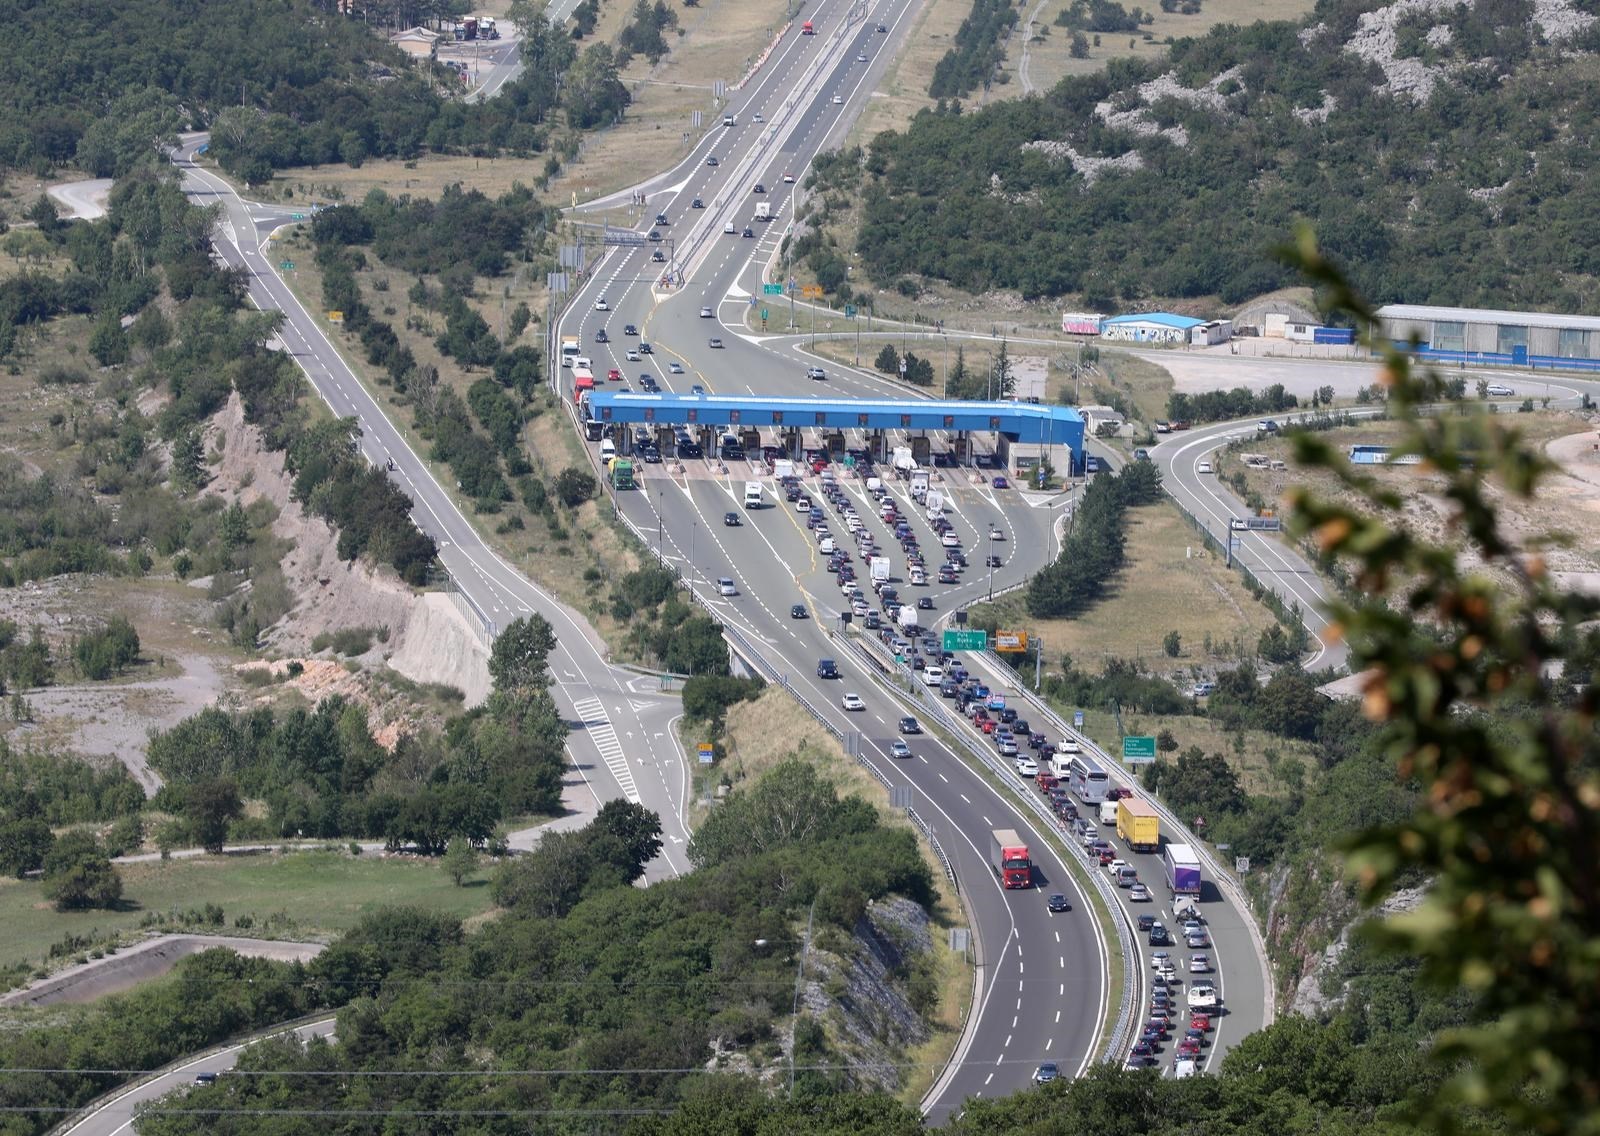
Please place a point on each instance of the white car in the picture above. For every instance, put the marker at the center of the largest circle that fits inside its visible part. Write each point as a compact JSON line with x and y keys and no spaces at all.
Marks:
{"x":898,"y":748}
{"x":788,"y":179}
{"x":1202,"y":996}
{"x":1028,"y":767}
{"x":705,"y":313}
{"x":995,"y":533}
{"x":1116,"y":866}
{"x":1500,"y":390}
{"x":1184,"y":1067}
{"x":726,"y":587}
{"x":674,"y":368}
{"x":950,"y":540}
{"x":728,"y":228}
{"x":816,"y":373}
{"x":1203,"y":467}
{"x":633,"y":355}
{"x":1139,"y":894}
{"x":1200,"y":964}
{"x":852,"y":702}
{"x":838,"y":100}
{"x":600,"y":305}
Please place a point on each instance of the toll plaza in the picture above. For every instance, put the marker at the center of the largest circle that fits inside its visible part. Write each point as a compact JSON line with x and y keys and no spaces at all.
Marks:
{"x":1010,"y":436}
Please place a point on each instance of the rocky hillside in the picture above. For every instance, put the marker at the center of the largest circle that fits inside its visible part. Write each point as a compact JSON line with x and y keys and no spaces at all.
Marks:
{"x":1441,"y":149}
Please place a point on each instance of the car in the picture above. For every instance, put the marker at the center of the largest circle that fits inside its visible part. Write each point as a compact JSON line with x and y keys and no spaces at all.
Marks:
{"x":996,"y":533}
{"x":1141,"y":454}
{"x":852,"y":702}
{"x":816,"y":373}
{"x":1188,"y":1050}
{"x":705,"y":313}
{"x":1199,"y":964}
{"x":1142,"y":1051}
{"x":1184,"y":1067}
{"x":725,"y":586}
{"x":205,"y":1078}
{"x":883,"y":29}
{"x":600,"y":336}
{"x":1499,"y":390}
{"x":758,"y":188}
{"x":1139,"y":894}
{"x":711,"y":159}
{"x":697,"y":389}
{"x":909,"y":725}
{"x":838,"y":100}
{"x":898,"y":748}
{"x":1267,"y":426}
{"x":661,"y":219}
{"x":730,"y":228}
{"x":1202,"y":996}
{"x":748,"y":231}
{"x":1116,"y":866}
{"x":924,"y":603}
{"x":1196,"y":940}
{"x":1203,"y":689}
{"x":1045,"y":1073}
{"x":993,"y":561}
{"x":731,"y":520}
{"x":1028,"y":767}
{"x":861,"y":57}
{"x":674,"y":368}
{"x":1159,"y":936}
{"x":827,"y":668}
{"x":600,"y":305}
{"x":1203,"y":467}
{"x":649,"y":384}
{"x":651,"y":454}
{"x":788,"y":179}
{"x":697,"y":204}
{"x":654,"y":236}
{"x":1006,"y":747}
{"x":1152,"y":1034}
{"x":632,"y":354}
{"x":1200,"y":1022}
{"x":715,"y":343}
{"x":757,"y":117}
{"x":1058,"y":904}
{"x":629,"y":329}
{"x":1198,"y":1036}
{"x":1001,"y":483}
{"x":614,"y":375}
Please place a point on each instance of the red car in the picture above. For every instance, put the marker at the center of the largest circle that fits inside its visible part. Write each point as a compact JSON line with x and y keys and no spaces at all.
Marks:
{"x":1106,"y":856}
{"x":1158,"y":1024}
{"x":1188,"y":1048}
{"x":1200,"y":1022}
{"x":614,"y":375}
{"x":988,"y":725}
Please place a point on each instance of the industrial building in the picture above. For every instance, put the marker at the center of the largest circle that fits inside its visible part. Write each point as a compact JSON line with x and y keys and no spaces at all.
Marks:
{"x":1494,"y":338}
{"x":1165,"y":328}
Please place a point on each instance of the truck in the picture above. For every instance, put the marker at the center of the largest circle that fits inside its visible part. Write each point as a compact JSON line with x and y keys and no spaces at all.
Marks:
{"x":1008,"y":856}
{"x":1183,"y":869}
{"x":1138,"y":824}
{"x":903,"y":462}
{"x":880,"y":567}
{"x":919,"y":483}
{"x":907,"y":619}
{"x":782,"y":467}
{"x":622,"y":473}
{"x":582,"y":383}
{"x":763,"y":211}
{"x":752,"y":495}
{"x":569,"y":349}
{"x":935,"y":503}
{"x":807,"y":29}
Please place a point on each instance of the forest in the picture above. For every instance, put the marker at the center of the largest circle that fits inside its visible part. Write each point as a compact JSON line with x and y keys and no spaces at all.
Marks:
{"x":1478,"y":196}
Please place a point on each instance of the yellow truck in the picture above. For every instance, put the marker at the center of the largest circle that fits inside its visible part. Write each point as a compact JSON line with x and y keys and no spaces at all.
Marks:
{"x":1138,"y":825}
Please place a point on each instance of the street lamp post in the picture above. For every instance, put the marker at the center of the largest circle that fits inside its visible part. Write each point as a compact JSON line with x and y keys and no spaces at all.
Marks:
{"x":991,"y":561}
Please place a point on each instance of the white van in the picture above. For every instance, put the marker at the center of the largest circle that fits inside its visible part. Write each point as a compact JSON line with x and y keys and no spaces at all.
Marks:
{"x":1108,"y":812}
{"x":752,"y":495}
{"x":582,"y":363}
{"x":608,"y":450}
{"x":933,"y":676}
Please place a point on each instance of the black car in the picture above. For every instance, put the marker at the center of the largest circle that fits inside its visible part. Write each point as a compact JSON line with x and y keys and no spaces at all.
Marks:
{"x":651,"y":454}
{"x":749,"y":232}
{"x":697,"y":204}
{"x":924,"y":603}
{"x":1008,"y":715}
{"x":759,"y":188}
{"x":629,"y":329}
{"x":1159,"y":936}
{"x":1020,"y":726}
{"x":645,"y":348}
{"x":1146,"y":922}
{"x":711,"y":159}
{"x":654,"y":236}
{"x":995,"y":562}
{"x":661,"y":219}
{"x":1038,"y":741}
{"x":1058,"y":902}
{"x":826,"y":668}
{"x":601,"y":336}
{"x":798,"y":611}
{"x":908,"y":725}
{"x":731,"y":520}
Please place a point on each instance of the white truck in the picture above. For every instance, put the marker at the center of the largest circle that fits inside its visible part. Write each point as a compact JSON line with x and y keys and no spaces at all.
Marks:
{"x":919,"y":483}
{"x":763,"y":211}
{"x":1108,"y":812}
{"x":752,"y":495}
{"x":880,"y":568}
{"x":902,"y":461}
{"x":783,"y":467}
{"x":907,"y":618}
{"x":935,"y":503}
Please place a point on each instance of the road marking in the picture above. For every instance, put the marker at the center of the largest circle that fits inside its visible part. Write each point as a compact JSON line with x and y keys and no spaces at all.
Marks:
{"x":604,"y":735}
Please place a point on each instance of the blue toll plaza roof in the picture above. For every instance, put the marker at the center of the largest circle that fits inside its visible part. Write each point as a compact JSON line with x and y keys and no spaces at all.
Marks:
{"x":1018,"y":421}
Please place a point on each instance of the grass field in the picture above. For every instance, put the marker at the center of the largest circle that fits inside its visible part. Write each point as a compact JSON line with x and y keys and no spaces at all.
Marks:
{"x":322,"y":893}
{"x":1049,"y":57}
{"x":1171,"y":583}
{"x":903,"y":90}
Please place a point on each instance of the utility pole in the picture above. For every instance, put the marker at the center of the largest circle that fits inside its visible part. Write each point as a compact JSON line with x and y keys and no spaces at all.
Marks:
{"x":1038,"y":654}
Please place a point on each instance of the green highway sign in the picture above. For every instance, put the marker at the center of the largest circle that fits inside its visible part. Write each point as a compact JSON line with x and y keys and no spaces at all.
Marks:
{"x":772,"y":289}
{"x":297,"y":216}
{"x":287,"y":266}
{"x":967,"y":641}
{"x":849,"y":311}
{"x":1135,"y":748}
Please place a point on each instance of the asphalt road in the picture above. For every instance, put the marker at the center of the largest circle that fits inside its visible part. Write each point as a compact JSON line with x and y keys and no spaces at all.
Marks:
{"x":622,"y":741}
{"x":116,"y":1114}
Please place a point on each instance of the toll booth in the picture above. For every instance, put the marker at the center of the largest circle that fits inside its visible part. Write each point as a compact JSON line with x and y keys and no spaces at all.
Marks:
{"x":962,"y":450}
{"x":835,"y":442}
{"x":921,"y":449}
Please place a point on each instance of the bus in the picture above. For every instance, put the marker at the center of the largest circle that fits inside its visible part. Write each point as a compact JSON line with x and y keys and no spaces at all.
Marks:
{"x":1087,"y":780}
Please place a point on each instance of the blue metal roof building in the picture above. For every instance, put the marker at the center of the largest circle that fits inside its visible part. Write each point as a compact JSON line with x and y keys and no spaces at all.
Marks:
{"x":1023,"y":422}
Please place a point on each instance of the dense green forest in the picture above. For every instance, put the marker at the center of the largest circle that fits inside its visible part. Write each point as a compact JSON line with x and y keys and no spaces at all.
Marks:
{"x":1480,"y":195}
{"x":281,"y":83}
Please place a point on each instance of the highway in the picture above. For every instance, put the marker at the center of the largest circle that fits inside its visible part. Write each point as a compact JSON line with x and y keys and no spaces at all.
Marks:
{"x":115,"y":1114}
{"x":622,"y":741}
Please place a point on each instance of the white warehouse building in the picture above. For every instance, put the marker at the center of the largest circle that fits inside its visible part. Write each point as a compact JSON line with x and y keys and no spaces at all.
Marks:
{"x":1483,"y":335}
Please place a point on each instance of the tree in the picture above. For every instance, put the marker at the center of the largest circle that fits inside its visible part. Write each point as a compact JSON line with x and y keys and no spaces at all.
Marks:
{"x":595,"y":95}
{"x":78,"y":875}
{"x":888,"y":360}
{"x":1457,"y":673}
{"x":1079,"y":46}
{"x":626,"y":836}
{"x":108,"y":343}
{"x":44,"y":214}
{"x":208,"y":808}
{"x":518,"y":321}
{"x":574,"y":486}
{"x":460,"y":860}
{"x":188,"y":461}
{"x":1172,"y":644}
{"x":137,"y":128}
{"x":520,"y":656}
{"x":1005,"y":383}
{"x":24,"y":843}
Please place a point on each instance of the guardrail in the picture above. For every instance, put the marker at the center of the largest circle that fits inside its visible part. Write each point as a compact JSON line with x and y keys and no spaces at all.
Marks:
{"x":934,"y":709}
{"x":1113,"y":767}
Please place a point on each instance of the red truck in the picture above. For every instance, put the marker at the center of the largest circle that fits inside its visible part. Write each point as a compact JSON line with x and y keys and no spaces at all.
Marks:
{"x":807,"y":29}
{"x":1008,"y":855}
